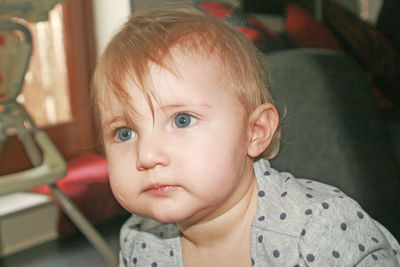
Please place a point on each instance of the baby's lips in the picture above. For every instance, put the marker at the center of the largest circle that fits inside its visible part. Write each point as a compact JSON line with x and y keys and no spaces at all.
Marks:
{"x":160,"y":189}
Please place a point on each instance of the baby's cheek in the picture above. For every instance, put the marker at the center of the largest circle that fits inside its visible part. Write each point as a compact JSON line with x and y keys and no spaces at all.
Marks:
{"x":120,"y":185}
{"x":117,"y":189}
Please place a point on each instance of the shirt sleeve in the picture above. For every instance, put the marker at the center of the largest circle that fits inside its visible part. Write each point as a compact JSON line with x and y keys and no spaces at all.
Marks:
{"x":340,"y":233}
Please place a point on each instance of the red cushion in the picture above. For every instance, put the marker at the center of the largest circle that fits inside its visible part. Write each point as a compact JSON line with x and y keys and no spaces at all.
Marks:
{"x":306,"y":31}
{"x":86,"y":184}
{"x":217,"y":10}
{"x":253,"y":29}
{"x":250,"y":33}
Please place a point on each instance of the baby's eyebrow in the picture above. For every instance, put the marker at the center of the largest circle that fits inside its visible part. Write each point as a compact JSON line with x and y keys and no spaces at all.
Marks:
{"x":175,"y":106}
{"x":113,"y":120}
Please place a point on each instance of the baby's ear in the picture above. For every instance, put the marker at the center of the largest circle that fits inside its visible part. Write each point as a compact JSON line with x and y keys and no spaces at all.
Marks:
{"x":262,"y":125}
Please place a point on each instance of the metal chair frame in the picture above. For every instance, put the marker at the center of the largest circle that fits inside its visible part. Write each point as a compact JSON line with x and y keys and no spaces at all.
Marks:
{"x":48,"y":163}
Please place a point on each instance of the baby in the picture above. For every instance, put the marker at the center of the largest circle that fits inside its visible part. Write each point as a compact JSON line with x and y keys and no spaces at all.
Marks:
{"x":188,"y":125}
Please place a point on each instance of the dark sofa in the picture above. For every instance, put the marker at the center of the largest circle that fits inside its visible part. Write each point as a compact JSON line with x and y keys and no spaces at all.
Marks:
{"x":333,"y":132}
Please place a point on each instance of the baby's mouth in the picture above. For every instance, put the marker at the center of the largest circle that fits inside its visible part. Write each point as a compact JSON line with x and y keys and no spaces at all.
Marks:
{"x":160,"y":189}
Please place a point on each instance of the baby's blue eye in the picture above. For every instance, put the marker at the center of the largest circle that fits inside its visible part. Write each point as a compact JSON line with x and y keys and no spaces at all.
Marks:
{"x":183,"y":120}
{"x":124,"y":134}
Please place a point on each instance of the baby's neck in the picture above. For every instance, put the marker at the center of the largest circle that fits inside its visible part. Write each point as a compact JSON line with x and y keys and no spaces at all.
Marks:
{"x":225,"y":236}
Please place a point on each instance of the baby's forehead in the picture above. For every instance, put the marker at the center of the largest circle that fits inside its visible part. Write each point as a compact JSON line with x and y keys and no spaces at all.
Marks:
{"x":183,"y":82}
{"x":187,"y":67}
{"x":156,"y":84}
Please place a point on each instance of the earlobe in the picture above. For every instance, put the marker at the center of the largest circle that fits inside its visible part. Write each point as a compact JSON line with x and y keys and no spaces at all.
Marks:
{"x":263,"y":123}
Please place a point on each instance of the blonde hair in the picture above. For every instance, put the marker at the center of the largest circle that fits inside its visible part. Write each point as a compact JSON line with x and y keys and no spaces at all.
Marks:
{"x":150,"y":37}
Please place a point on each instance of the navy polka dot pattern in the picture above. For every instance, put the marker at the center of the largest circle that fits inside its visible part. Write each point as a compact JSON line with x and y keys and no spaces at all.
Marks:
{"x":303,"y":232}
{"x":310,"y":257}
{"x":335,"y":254}
{"x":298,"y":223}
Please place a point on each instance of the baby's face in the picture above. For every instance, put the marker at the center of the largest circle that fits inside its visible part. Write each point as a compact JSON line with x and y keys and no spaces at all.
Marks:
{"x":189,"y":162}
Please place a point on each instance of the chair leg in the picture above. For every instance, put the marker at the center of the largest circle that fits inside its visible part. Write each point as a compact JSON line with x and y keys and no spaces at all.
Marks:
{"x":84,"y":226}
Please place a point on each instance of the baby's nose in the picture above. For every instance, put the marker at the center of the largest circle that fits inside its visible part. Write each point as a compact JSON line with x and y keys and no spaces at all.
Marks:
{"x":151,"y":152}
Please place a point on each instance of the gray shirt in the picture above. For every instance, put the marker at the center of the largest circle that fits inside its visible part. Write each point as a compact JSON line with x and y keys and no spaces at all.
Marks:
{"x":298,"y":223}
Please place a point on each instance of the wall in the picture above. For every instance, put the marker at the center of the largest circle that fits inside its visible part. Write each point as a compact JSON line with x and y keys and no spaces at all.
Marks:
{"x":108,"y":17}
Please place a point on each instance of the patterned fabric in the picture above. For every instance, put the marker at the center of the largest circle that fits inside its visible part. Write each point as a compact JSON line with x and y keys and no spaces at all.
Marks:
{"x":252,"y":28}
{"x":369,"y":46}
{"x":298,"y":223}
{"x":307,"y":31}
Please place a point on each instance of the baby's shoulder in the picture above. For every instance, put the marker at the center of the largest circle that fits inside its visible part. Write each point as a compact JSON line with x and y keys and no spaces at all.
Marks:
{"x":322,"y":208}
{"x":340,"y":231}
{"x":337,"y":230}
{"x":325,"y":226}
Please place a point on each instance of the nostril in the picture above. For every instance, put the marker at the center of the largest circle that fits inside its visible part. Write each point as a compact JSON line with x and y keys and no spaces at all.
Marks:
{"x":139,"y":165}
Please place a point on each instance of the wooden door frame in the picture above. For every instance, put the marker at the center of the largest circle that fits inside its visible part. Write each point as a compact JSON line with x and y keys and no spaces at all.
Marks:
{"x":78,"y":136}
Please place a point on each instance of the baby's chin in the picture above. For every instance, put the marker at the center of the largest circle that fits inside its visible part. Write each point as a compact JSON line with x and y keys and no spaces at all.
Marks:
{"x":167,"y":218}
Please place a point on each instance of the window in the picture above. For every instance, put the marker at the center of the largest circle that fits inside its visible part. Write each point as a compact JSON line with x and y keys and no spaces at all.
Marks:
{"x":45,"y":91}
